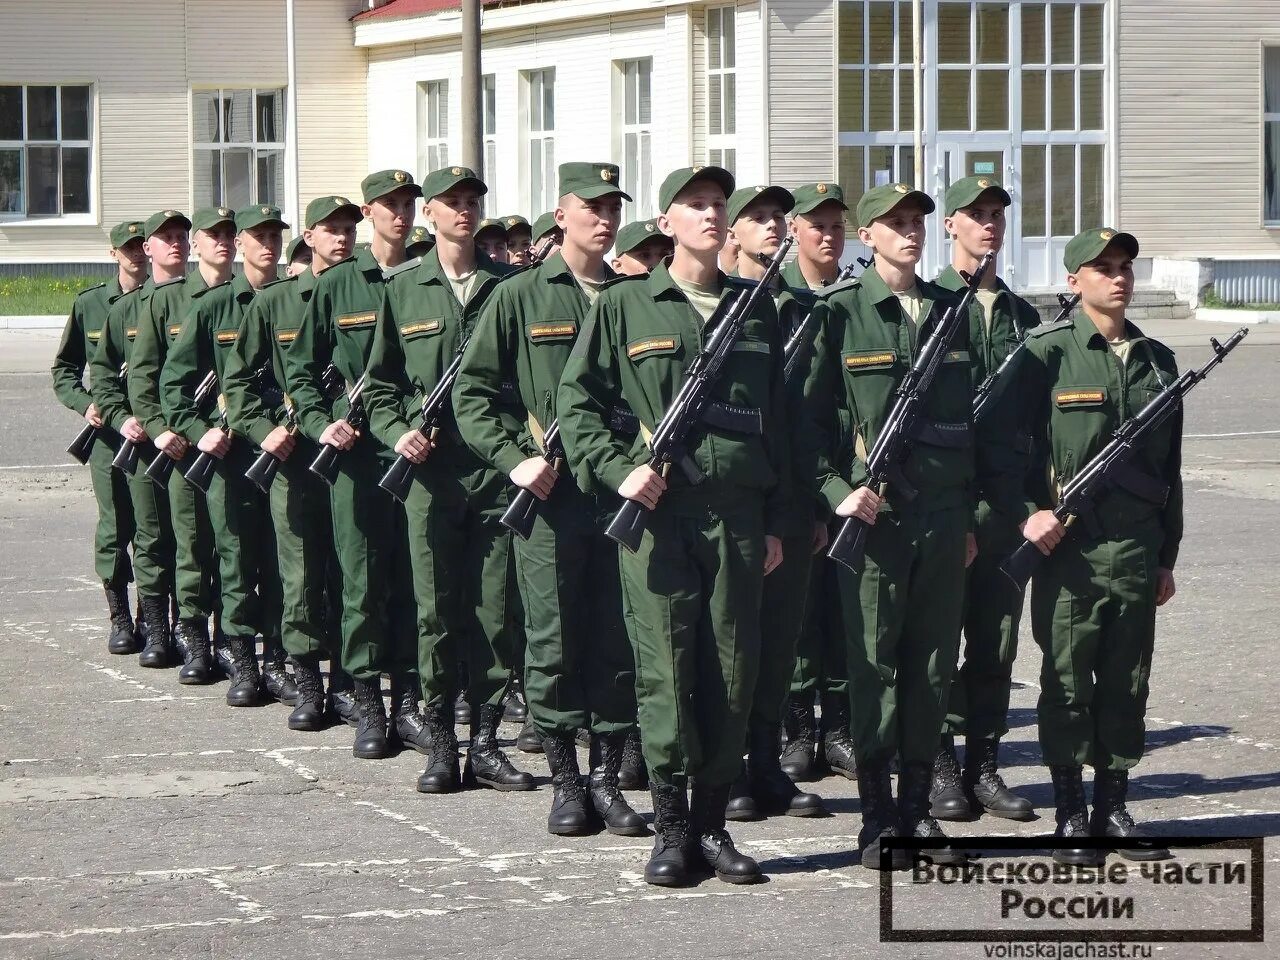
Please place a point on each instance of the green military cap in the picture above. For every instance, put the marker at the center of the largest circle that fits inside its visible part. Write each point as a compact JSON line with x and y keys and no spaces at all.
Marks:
{"x":206,"y":218}
{"x":382,"y":182}
{"x":322,"y":208}
{"x":878,"y":201}
{"x":587,"y":181}
{"x":258,"y":214}
{"x":122,"y":233}
{"x":418,"y":242}
{"x":296,"y":245}
{"x":813,"y":195}
{"x":446,"y":178}
{"x":677,"y":180}
{"x":158,"y":220}
{"x":517,"y":224}
{"x":746,"y":196}
{"x":964,"y":192}
{"x":636,"y":234}
{"x":542,"y":226}
{"x":1090,"y":244}
{"x":492,"y":223}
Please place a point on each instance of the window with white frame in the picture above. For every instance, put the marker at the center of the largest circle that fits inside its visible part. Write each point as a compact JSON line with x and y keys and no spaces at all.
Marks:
{"x":46,"y":134}
{"x":489,"y":102}
{"x":1271,"y":136}
{"x":238,"y":147}
{"x":973,"y":66}
{"x":539,"y":121}
{"x":433,"y":126}
{"x":722,"y":88}
{"x":632,"y":85}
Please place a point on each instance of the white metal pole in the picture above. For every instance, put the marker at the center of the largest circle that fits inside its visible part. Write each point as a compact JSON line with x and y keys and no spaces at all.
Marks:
{"x":917,"y":89}
{"x":292,"y":204}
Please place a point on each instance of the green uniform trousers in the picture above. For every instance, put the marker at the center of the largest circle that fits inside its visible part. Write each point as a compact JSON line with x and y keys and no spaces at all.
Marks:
{"x":691,"y":602}
{"x":979,"y":702}
{"x":820,"y":652}
{"x":579,"y":669}
{"x":378,"y":609}
{"x":248,"y":574}
{"x":462,"y":579}
{"x":1093,"y":615}
{"x":195,"y":565}
{"x":310,"y":586}
{"x":152,"y":530}
{"x":782,"y":611}
{"x":115,"y":528}
{"x":902,"y":626}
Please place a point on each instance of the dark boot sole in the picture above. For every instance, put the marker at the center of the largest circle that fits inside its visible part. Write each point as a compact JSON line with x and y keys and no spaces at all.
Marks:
{"x":576,"y":830}
{"x":425,"y":751}
{"x":1070,"y":861}
{"x":806,"y":812}
{"x":124,"y":651}
{"x":1143,"y":856}
{"x":668,"y":881}
{"x":740,"y":879}
{"x":503,"y":787}
{"x":642,"y":830}
{"x":954,"y":816}
{"x":1022,"y":816}
{"x":842,"y":772}
{"x":753,"y":815}
{"x":952,"y":859}
{"x":202,"y":680}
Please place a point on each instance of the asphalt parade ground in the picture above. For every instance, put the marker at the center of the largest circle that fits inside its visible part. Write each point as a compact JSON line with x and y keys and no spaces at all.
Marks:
{"x":140,"y":818}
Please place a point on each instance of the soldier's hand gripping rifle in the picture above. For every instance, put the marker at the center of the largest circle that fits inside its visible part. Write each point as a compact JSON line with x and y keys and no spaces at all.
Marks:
{"x":399,"y":478}
{"x":162,"y":466}
{"x":200,"y":472}
{"x":325,"y":465}
{"x":992,"y":388}
{"x":898,"y":437}
{"x":82,"y":446}
{"x":262,"y":472}
{"x":1110,"y":466}
{"x":685,"y":412}
{"x":798,"y":343}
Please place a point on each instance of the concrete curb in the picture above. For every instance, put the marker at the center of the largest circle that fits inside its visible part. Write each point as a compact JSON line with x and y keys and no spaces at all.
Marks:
{"x":54,"y":321}
{"x":1238,"y":316}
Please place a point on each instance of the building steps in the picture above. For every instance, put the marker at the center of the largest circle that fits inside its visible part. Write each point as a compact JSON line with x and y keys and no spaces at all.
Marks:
{"x":1148,"y":304}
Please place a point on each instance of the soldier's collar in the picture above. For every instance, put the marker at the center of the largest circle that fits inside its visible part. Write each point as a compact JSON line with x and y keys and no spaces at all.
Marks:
{"x":367,"y":262}
{"x":306,"y":283}
{"x":878,"y":291}
{"x":662,"y":284}
{"x":431,"y":271}
{"x":555,"y":270}
{"x":1090,"y":337}
{"x":950,"y":279}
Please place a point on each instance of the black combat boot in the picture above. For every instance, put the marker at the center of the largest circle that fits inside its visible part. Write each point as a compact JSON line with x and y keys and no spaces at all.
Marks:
{"x":619,"y":819}
{"x":462,"y":709}
{"x":741,"y":804}
{"x":409,"y":725}
{"x":441,"y":774}
{"x":139,"y":623}
{"x":486,"y":764}
{"x":1111,"y":819}
{"x":711,"y":843}
{"x":634,"y":775}
{"x":913,"y":804}
{"x":515,"y":709}
{"x":668,"y":865}
{"x":879,"y":816}
{"x":276,"y":680}
{"x":947,"y":800}
{"x":984,"y":785}
{"x":155,"y":610}
{"x":311,"y":710}
{"x":371,"y":728}
{"x":123,"y":637}
{"x":342,"y":694}
{"x":1072,"y":816}
{"x":529,"y":740}
{"x":774,"y":792}
{"x":837,"y":744}
{"x":222,"y":661}
{"x":571,"y":814}
{"x":197,"y":667}
{"x":178,"y":629}
{"x":246,"y":682}
{"x":799,"y":755}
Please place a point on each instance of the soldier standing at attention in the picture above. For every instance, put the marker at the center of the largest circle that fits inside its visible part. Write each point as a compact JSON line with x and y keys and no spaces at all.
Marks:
{"x":579,"y":671}
{"x":80,"y":340}
{"x":691,"y":594}
{"x":311,"y":589}
{"x":758,"y":222}
{"x":1094,"y":600}
{"x":461,"y":554}
{"x":902,"y":611}
{"x":639,"y":248}
{"x":519,"y":240}
{"x":378,"y":608}
{"x":978,"y":705}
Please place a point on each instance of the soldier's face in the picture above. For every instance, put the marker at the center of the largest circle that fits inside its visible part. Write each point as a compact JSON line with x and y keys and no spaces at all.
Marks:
{"x":455,"y":213}
{"x":898,"y":236}
{"x":300,"y":263}
{"x":697,"y":219}
{"x":978,"y":228}
{"x":392,"y":215}
{"x":647,"y":256}
{"x":169,"y":247}
{"x":518,"y":247}
{"x":760,"y":229}
{"x":1106,"y":282}
{"x":590,"y":225}
{"x":494,"y":246}
{"x":332,"y":239}
{"x":260,"y":246}
{"x":820,"y":234}
{"x":217,"y":245}
{"x":132,"y":257}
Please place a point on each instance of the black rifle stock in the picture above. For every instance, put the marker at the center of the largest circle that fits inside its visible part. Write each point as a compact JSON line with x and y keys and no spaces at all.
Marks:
{"x":82,"y":446}
{"x":896,"y":438}
{"x":523,"y":511}
{"x":163,"y":464}
{"x":992,"y":388}
{"x":399,"y":478}
{"x":325,"y":465}
{"x":1080,"y":492}
{"x":667,"y":445}
{"x":262,"y":472}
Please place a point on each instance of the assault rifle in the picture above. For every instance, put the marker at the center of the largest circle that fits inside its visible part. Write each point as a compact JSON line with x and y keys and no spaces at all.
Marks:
{"x":82,"y":446}
{"x":398,"y":479}
{"x":994,"y":386}
{"x":325,"y":465}
{"x":162,"y":466}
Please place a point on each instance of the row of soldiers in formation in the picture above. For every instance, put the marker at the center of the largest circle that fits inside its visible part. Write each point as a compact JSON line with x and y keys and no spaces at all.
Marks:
{"x":725,"y":625}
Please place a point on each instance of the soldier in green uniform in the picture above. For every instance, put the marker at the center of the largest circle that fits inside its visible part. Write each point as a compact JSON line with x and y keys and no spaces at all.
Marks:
{"x":902,"y":611}
{"x":1094,"y":600}
{"x":546,"y":227}
{"x":459,"y":552}
{"x":153,"y":547}
{"x":758,"y":222}
{"x":640,"y":247}
{"x":418,"y":243}
{"x":491,"y":238}
{"x":249,"y":579}
{"x":979,"y":702}
{"x":378,"y":609}
{"x":519,"y":239}
{"x":110,"y":488}
{"x":818,"y":225}
{"x":311,"y":589}
{"x":579,"y":672}
{"x":297,"y":257}
{"x":691,"y":594}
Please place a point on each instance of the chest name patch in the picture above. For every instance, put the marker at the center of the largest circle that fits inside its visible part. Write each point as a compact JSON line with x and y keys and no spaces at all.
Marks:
{"x":352,"y":320}
{"x":227,"y":336}
{"x":543,"y":330}
{"x":422,"y":326}
{"x":1066,"y":398}
{"x":131,"y":332}
{"x":286,"y":336}
{"x":175,"y":329}
{"x":95,"y":336}
{"x":868,"y":360}
{"x":649,"y":346}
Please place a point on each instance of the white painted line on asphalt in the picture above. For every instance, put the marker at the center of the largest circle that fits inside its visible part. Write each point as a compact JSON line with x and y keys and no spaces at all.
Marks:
{"x":140,"y":928}
{"x":1219,"y":436}
{"x":243,"y":903}
{"x":462,"y":850}
{"x":306,"y":773}
{"x":39,"y":466}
